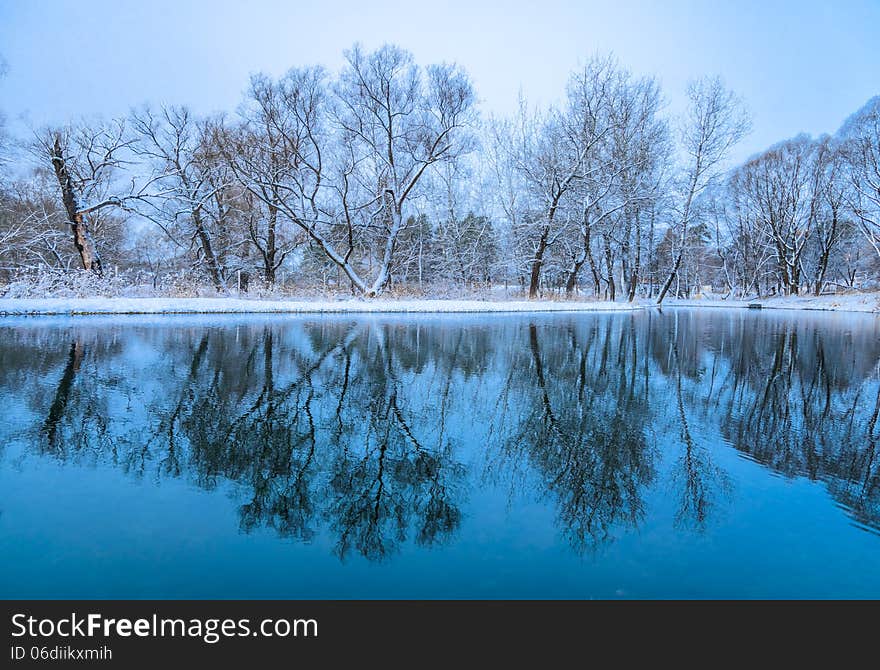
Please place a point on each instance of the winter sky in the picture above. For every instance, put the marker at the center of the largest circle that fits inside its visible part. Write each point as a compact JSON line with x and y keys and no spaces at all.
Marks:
{"x":801,"y":65}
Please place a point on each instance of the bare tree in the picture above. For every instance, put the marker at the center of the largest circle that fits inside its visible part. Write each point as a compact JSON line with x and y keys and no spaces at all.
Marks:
{"x":861,"y":135}
{"x":740,"y":241}
{"x":621,"y":190}
{"x":781,"y":218}
{"x":581,"y":178}
{"x":827,"y":207}
{"x":778,"y":187}
{"x":548,"y":159}
{"x":86,"y":160}
{"x":267,"y":150}
{"x":347,"y":158}
{"x":551,"y":154}
{"x":396,"y":122}
{"x":186,"y":196}
{"x":715,"y":122}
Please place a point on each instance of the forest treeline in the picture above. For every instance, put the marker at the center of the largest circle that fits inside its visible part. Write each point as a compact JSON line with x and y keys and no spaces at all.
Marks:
{"x":384,"y":176}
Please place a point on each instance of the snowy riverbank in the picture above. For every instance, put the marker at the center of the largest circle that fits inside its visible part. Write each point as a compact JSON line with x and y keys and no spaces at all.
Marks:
{"x":856,"y":302}
{"x":869,"y":302}
{"x":70,"y":306}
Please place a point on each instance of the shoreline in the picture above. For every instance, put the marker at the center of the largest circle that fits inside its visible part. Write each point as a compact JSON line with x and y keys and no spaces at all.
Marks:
{"x":858,"y":303}
{"x":9,"y":307}
{"x":158,"y":306}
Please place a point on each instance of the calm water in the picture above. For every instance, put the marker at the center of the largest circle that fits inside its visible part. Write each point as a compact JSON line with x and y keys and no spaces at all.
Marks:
{"x":685,"y":454}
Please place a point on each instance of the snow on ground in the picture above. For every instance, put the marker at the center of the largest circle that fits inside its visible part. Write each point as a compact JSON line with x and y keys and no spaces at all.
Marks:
{"x":27,"y":306}
{"x":856,"y":302}
{"x":865,"y":302}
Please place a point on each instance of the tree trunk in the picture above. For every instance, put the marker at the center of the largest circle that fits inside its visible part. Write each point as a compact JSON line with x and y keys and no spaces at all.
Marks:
{"x":538,"y":261}
{"x":609,"y":264}
{"x":208,"y":249}
{"x":82,"y":238}
{"x":823,"y":269}
{"x":685,"y":223}
{"x":672,"y":275}
{"x":597,"y":279}
{"x":637,"y":264}
{"x":396,"y":225}
{"x":782,"y":262}
{"x":271,"y":247}
{"x":794,"y":283}
{"x":571,"y":282}
{"x":85,"y":246}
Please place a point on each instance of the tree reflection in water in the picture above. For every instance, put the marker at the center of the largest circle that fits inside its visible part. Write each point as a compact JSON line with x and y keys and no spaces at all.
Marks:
{"x":582,"y":425}
{"x":376,"y":432}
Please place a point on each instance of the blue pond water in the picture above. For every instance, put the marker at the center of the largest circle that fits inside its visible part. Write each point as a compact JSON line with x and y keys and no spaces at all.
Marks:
{"x":683,"y":454}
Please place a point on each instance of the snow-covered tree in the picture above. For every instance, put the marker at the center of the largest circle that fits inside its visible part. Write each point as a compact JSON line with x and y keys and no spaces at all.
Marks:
{"x":345,"y":158}
{"x":191,"y":191}
{"x":861,"y":135}
{"x":88,"y":160}
{"x":714,"y":123}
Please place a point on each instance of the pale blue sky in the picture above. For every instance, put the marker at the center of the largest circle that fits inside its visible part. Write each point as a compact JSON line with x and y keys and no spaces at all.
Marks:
{"x":800,"y":65}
